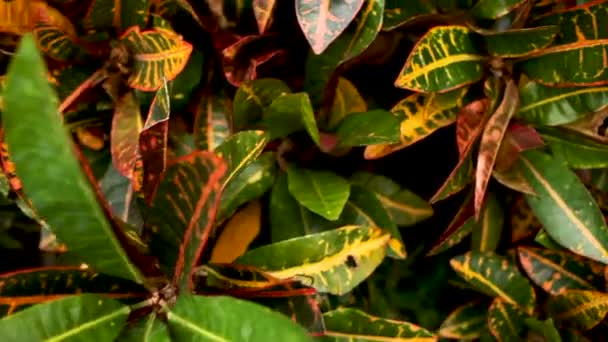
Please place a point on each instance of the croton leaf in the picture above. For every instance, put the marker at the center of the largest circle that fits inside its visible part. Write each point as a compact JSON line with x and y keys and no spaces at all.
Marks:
{"x":106,"y":14}
{"x":565,"y":207}
{"x":183,"y":212}
{"x":461,"y":225}
{"x":576,"y":150}
{"x":149,"y":328}
{"x":322,"y":21}
{"x":580,"y":309}
{"x":591,"y":126}
{"x":159,"y":55}
{"x":263,"y":10}
{"x":36,"y":141}
{"x":469,"y":124}
{"x":519,"y":42}
{"x":495,"y":276}
{"x":240,"y":150}
{"x":367,"y":128}
{"x":15,"y":17}
{"x":465,"y":322}
{"x":209,"y":318}
{"x":459,"y":178}
{"x":238,"y":233}
{"x":124,"y":137}
{"x":83,"y":317}
{"x":211,"y":127}
{"x":398,"y":13}
{"x":322,"y":192}
{"x":335,"y":261}
{"x":54,"y":33}
{"x":160,"y":108}
{"x":489,"y":9}
{"x":289,"y":113}
{"x":354,"y":324}
{"x":549,"y":106}
{"x":120,"y":196}
{"x":445,"y":58}
{"x":557,"y":271}
{"x":248,"y":280}
{"x":505,"y":320}
{"x":487,"y":233}
{"x":347,"y":100}
{"x":253,"y":97}
{"x":491,"y":138}
{"x":543,"y":239}
{"x":524,"y":223}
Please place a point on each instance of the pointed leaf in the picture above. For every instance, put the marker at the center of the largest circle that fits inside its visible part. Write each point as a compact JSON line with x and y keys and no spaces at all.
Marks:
{"x":158,"y":55}
{"x":487,"y":233}
{"x":222,"y":318}
{"x":557,"y":271}
{"x":160,"y":109}
{"x":238,"y":233}
{"x":495,"y":276}
{"x":38,"y":140}
{"x":54,"y":33}
{"x":119,"y":193}
{"x":147,"y":329}
{"x":581,"y":309}
{"x":126,"y":125}
{"x":459,"y":178}
{"x":240,"y":150}
{"x":84,"y":317}
{"x":491,"y":139}
{"x":519,"y":42}
{"x":505,"y":320}
{"x":322,"y":21}
{"x":252,"y":98}
{"x":289,"y":113}
{"x":322,"y":192}
{"x":398,"y":13}
{"x":263,"y":11}
{"x":576,"y":150}
{"x":591,"y":126}
{"x":465,"y":322}
{"x":354,"y":324}
{"x":445,"y":58}
{"x":565,"y":208}
{"x":211,"y":127}
{"x":367,"y":128}
{"x":461,"y":225}
{"x":347,"y":100}
{"x":183,"y":212}
{"x":489,"y":9}
{"x":469,"y":124}
{"x":335,"y":261}
{"x":578,"y":23}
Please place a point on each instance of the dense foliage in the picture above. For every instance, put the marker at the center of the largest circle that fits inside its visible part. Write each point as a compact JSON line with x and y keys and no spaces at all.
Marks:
{"x":338,"y":170}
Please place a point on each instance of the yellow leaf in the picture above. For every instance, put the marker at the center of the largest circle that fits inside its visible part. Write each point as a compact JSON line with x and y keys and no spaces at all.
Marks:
{"x":242,"y":228}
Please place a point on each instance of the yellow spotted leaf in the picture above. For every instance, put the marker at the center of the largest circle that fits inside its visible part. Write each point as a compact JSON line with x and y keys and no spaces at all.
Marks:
{"x":580,"y":309}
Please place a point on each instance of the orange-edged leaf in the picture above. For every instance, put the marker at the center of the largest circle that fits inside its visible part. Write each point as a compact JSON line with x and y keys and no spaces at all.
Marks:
{"x":575,"y":64}
{"x":160,"y":109}
{"x":580,"y":309}
{"x":486,"y":234}
{"x":459,"y":178}
{"x":465,"y":322}
{"x":54,"y":33}
{"x":524,"y":223}
{"x":238,"y":233}
{"x":211,"y":127}
{"x":183,"y":212}
{"x":263,"y":10}
{"x":461,"y":225}
{"x":117,"y":14}
{"x":445,"y":58}
{"x":24,"y":288}
{"x":124,"y":138}
{"x":495,"y":276}
{"x":559,"y":270}
{"x":565,"y":207}
{"x":505,"y":320}
{"x":158,"y":55}
{"x":469,"y":124}
{"x":322,"y":21}
{"x":491,"y":139}
{"x":578,"y":23}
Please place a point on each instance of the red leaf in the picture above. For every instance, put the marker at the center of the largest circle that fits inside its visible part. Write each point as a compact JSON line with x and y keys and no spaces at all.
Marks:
{"x":518,"y":138}
{"x":153,"y":152}
{"x":465,"y":212}
{"x":469,"y":124}
{"x":124,"y":138}
{"x":242,"y":59}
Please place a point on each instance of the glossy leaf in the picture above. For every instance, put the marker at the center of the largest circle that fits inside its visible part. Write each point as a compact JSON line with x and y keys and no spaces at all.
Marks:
{"x":565,"y":207}
{"x":445,"y":58}
{"x":519,"y":42}
{"x":240,"y":150}
{"x":495,"y":276}
{"x":238,"y":233}
{"x":39,"y":140}
{"x":322,"y":21}
{"x":126,"y":125}
{"x":469,"y":124}
{"x":581,"y":309}
{"x":491,"y":138}
{"x":505,"y":320}
{"x":549,"y":106}
{"x":335,"y":261}
{"x":368,"y":128}
{"x":160,"y":109}
{"x":211,"y":127}
{"x":543,"y":239}
{"x":147,"y":329}
{"x":398,"y":13}
{"x":322,"y":192}
{"x":487,"y":233}
{"x":289,"y":113}
{"x":578,"y":23}
{"x":558,"y":271}
{"x":576,"y":150}
{"x":183,"y":212}
{"x":196,"y":318}
{"x":120,"y":195}
{"x":522,"y":220}
{"x":489,"y":9}
{"x":252,"y":98}
{"x":460,"y":227}
{"x":83,"y":317}
{"x":591,"y":126}
{"x":263,"y":11}
{"x":106,"y":14}
{"x":159,"y":55}
{"x":404,"y":207}
{"x":347,"y":100}
{"x":54,"y":33}
{"x":465,"y":322}
{"x":354,"y":324}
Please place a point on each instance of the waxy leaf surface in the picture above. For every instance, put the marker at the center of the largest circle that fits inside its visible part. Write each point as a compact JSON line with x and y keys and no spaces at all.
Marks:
{"x":580,"y":309}
{"x":465,"y":322}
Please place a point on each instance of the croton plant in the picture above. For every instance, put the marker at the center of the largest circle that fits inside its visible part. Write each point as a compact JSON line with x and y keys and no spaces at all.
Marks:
{"x":253,"y":170}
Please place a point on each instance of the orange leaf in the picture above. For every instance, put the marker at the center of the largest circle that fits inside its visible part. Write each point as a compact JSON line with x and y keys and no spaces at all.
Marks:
{"x":238,"y":234}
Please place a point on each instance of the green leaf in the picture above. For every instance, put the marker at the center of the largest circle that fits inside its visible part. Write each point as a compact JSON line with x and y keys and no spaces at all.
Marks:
{"x":322,"y":21}
{"x":459,"y":178}
{"x":222,"y":318}
{"x":211,"y":127}
{"x":183,"y":213}
{"x":557,"y":271}
{"x":399,"y":13}
{"x":119,"y":194}
{"x":55,"y":34}
{"x":289,"y":219}
{"x":240,"y":150}
{"x":546,"y":328}
{"x":356,"y":325}
{"x":505,"y":320}
{"x":251,"y":183}
{"x":580,"y":309}
{"x":465,"y":322}
{"x":404,"y":207}
{"x":565,"y":207}
{"x":38,"y":140}
{"x":106,"y":14}
{"x":519,"y":42}
{"x":495,"y":276}
{"x":460,"y":227}
{"x":160,"y":109}
{"x":289,"y":113}
{"x":549,"y":106}
{"x":252,"y":98}
{"x":373,"y":127}
{"x":487,"y":233}
{"x":347,"y":100}
{"x":124,"y":137}
{"x":543,"y":239}
{"x":365,"y":209}
{"x":147,"y":329}
{"x":576,"y":150}
{"x":85,"y":317}
{"x":335,"y":261}
{"x":490,"y":9}
{"x":322,"y":192}
{"x":445,"y":58}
